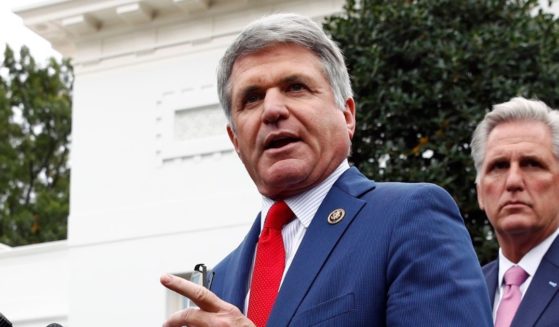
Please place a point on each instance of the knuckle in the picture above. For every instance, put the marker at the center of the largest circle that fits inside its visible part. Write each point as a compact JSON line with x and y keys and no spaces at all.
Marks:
{"x":185,"y":315}
{"x":201,"y":294}
{"x":232,"y":310}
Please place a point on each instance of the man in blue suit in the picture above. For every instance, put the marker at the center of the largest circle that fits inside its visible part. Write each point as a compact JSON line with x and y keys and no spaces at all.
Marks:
{"x":356,"y":252}
{"x":516,"y":153}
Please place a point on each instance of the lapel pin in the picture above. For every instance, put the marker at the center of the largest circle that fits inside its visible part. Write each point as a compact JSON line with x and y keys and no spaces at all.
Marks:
{"x":554,"y":284}
{"x":336,"y":216}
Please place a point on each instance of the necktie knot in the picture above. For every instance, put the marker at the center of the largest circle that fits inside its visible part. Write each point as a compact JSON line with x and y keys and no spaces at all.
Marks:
{"x":515,"y":276}
{"x":278,"y":215}
{"x":510,"y":301}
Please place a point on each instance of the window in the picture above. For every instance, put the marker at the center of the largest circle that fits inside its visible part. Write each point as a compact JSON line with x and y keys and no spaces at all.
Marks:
{"x":189,"y":123}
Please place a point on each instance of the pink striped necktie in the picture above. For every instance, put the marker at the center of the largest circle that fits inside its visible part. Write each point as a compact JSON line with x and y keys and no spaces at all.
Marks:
{"x":514,"y":277}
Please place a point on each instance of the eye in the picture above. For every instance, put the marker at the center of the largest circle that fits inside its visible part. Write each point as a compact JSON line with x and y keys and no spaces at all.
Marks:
{"x":296,"y":87}
{"x":531,"y":163}
{"x":251,"y":98}
{"x":498,"y":165}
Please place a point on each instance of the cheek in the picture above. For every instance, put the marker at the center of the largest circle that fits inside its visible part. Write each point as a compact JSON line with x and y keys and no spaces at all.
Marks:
{"x":247,"y":131}
{"x":544,"y":186}
{"x":490,"y":193}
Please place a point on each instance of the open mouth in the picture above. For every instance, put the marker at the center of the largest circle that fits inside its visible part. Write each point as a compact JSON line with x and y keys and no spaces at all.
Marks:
{"x":280,"y":142}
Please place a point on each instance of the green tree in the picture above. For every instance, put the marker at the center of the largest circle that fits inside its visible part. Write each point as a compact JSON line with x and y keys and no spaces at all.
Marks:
{"x":426,"y":71}
{"x":35,"y":120}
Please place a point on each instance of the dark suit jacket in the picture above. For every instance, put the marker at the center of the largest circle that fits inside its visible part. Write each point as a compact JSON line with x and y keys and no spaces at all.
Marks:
{"x":540,"y":304}
{"x":401,"y":256}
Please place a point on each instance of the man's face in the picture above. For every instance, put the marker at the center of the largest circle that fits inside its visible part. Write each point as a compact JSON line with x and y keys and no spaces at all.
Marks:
{"x":288,"y":131}
{"x":519,"y":182}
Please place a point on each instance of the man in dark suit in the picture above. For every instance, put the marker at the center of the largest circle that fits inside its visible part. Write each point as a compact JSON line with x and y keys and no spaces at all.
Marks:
{"x":516,"y":153}
{"x":352,"y":252}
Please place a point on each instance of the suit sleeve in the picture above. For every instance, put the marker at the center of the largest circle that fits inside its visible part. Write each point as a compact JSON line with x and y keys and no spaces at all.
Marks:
{"x":433,"y":276}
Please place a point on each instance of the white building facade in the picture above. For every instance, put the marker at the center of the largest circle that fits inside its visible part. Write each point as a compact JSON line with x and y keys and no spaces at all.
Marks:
{"x":156,"y":186}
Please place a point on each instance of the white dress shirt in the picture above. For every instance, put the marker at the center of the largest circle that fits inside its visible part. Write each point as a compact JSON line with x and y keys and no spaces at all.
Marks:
{"x":529,"y":262}
{"x":304,"y":206}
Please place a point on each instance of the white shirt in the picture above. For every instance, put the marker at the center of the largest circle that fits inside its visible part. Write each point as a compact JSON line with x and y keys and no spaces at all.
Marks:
{"x":304,"y":206}
{"x":529,"y":262}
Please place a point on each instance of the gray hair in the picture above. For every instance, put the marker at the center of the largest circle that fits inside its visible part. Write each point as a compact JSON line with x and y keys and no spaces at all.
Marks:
{"x":517,"y":109}
{"x":290,"y":29}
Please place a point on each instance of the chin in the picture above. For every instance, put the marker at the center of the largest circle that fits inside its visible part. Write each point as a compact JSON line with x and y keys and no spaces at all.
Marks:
{"x":518,"y":225}
{"x":288,"y":170}
{"x":284,"y":185}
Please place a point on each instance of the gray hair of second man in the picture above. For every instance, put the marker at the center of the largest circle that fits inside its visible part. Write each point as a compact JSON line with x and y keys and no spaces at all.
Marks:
{"x":285,"y":29}
{"x":517,"y":109}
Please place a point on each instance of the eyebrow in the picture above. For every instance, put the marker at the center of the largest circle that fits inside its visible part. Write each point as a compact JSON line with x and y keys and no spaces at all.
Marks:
{"x":502,"y":157}
{"x":530,"y":156}
{"x":249,"y":89}
{"x":295,"y":78}
{"x":490,"y":161}
{"x":310,"y":82}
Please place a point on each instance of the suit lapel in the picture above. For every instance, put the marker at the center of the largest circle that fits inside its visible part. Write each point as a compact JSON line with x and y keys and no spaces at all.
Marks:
{"x":235,"y":285}
{"x":491,"y":272}
{"x":319,"y":241}
{"x":543,"y":287}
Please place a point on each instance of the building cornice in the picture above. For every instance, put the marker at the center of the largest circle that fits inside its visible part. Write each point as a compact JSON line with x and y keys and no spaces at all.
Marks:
{"x":69,"y":23}
{"x":103,"y":31}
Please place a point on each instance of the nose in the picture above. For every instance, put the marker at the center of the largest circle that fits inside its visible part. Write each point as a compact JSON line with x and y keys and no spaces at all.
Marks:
{"x":515,"y":179}
{"x":275,"y":107}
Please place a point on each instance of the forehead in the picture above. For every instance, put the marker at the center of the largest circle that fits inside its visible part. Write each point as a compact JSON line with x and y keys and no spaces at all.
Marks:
{"x":519,"y":138}
{"x":274,"y":61}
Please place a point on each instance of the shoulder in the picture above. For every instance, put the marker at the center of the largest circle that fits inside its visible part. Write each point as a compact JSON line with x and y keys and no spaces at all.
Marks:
{"x":355,"y":183}
{"x":411,"y":188}
{"x":413,"y":195}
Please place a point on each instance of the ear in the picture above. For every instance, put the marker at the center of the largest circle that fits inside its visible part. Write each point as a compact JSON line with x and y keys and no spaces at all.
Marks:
{"x":233,"y":137}
{"x":349,"y":115}
{"x":479,"y":197}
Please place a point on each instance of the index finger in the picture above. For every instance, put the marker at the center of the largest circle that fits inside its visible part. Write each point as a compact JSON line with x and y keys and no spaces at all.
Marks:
{"x":201,"y":296}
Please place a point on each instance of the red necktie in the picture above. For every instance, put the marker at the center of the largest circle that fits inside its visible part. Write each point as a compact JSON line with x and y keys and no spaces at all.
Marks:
{"x":269,"y":264}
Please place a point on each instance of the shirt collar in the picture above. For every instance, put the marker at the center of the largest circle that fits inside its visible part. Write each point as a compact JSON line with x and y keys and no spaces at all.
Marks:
{"x":305,"y":205}
{"x":530,"y":261}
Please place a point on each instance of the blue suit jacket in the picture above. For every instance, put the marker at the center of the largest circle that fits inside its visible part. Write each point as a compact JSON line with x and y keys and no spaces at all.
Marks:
{"x":401,"y":256}
{"x":540,"y":304}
